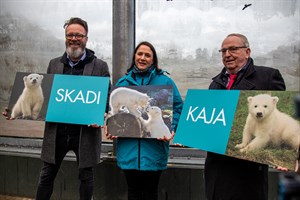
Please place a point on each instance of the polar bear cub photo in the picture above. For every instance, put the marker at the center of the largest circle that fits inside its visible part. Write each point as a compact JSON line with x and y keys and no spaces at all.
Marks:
{"x":132,"y":101}
{"x":155,"y":124}
{"x":29,"y":103}
{"x":265,"y":124}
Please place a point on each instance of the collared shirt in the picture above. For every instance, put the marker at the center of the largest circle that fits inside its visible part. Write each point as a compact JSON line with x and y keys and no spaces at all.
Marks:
{"x":72,"y":64}
{"x":240,"y":70}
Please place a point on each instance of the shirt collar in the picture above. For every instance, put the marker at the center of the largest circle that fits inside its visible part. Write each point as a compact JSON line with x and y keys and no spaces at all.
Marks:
{"x":241,"y":69}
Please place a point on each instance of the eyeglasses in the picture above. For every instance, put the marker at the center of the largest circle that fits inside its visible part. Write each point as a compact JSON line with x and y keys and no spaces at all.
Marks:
{"x":231,"y":49}
{"x":77,"y":36}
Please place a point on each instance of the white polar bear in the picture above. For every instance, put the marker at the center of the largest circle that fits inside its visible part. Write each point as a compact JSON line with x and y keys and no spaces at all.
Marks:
{"x":132,"y":101}
{"x":30,"y":102}
{"x":266,"y":124}
{"x":155,"y":124}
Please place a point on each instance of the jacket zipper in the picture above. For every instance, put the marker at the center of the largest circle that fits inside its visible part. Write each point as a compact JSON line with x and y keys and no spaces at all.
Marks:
{"x":139,"y":141}
{"x":139,"y":154}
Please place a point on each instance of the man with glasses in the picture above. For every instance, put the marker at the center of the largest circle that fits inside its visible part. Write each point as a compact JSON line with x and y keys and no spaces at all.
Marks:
{"x":227,"y":177}
{"x":59,"y":138}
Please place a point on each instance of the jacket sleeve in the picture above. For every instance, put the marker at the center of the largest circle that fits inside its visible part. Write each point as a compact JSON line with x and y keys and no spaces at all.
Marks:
{"x":277,"y":81}
{"x":50,"y":65}
{"x":104,"y":71}
{"x":177,"y":106}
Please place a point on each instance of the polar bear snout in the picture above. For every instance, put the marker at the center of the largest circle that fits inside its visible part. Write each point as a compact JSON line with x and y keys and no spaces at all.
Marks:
{"x":147,"y":109}
{"x":259,"y":115}
{"x":33,"y":82}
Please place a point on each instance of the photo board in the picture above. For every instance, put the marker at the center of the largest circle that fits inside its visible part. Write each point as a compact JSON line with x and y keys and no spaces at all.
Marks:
{"x":141,"y":111}
{"x":59,"y":98}
{"x":253,"y":125}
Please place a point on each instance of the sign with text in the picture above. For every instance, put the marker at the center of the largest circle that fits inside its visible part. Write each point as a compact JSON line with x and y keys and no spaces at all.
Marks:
{"x":59,"y":98}
{"x":254,"y":125}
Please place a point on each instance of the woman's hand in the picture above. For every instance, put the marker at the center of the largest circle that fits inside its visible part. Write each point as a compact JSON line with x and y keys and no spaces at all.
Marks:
{"x":108,"y":136}
{"x":165,"y":139}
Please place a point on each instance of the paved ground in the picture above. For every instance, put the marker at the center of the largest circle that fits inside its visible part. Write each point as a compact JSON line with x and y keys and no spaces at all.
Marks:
{"x":3,"y":197}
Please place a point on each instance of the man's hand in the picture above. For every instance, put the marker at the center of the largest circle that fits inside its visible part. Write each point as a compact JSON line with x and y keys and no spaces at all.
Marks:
{"x":5,"y":114}
{"x":94,"y":126}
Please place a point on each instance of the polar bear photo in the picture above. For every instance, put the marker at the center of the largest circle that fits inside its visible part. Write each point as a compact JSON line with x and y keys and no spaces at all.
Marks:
{"x":155,"y":124}
{"x":265,"y":124}
{"x":29,"y":103}
{"x":129,"y":100}
{"x":141,"y":111}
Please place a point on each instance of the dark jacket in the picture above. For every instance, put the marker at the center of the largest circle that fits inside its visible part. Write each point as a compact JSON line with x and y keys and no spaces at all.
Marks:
{"x":90,"y":138}
{"x":229,"y":178}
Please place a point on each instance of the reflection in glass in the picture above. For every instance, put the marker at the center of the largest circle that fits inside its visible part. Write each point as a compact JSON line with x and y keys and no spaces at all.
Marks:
{"x":188,"y":34}
{"x":31,"y":33}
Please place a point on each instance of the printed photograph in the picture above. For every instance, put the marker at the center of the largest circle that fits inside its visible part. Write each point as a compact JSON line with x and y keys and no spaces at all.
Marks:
{"x":30,"y":96}
{"x":140,"y":111}
{"x":265,"y":128}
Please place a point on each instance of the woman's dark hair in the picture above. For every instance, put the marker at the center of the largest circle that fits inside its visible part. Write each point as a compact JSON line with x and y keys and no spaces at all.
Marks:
{"x":77,"y":20}
{"x":155,"y":60}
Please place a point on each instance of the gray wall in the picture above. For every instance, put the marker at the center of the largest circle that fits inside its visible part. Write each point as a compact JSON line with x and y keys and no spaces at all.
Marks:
{"x":19,"y":177}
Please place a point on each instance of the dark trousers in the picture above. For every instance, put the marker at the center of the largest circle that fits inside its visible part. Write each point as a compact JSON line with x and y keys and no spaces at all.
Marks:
{"x":142,"y":185}
{"x":64,"y":143}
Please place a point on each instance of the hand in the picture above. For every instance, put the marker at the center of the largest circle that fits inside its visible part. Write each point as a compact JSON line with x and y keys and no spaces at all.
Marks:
{"x":5,"y":114}
{"x":108,"y":136}
{"x":286,"y":169}
{"x":177,"y":145}
{"x":283,"y":169}
{"x":165,"y":139}
{"x":94,"y":126}
{"x":297,"y":166}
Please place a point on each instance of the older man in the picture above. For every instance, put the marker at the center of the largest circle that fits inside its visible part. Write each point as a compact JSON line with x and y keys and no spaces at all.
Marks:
{"x":229,"y":178}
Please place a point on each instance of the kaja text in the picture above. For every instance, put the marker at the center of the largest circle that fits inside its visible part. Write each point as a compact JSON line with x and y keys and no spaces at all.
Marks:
{"x":196,"y":113}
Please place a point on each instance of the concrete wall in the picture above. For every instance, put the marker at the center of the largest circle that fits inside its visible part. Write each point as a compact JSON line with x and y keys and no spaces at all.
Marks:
{"x":19,"y":177}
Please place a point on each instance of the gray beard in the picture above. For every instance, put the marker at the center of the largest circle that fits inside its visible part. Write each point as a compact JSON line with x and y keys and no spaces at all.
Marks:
{"x":75,"y":54}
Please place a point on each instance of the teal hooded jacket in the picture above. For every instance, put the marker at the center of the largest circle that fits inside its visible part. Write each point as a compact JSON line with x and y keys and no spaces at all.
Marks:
{"x":140,"y":153}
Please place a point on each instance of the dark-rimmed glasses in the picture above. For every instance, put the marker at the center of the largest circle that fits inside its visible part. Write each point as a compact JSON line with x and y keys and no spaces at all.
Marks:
{"x":231,"y":49}
{"x":77,"y":36}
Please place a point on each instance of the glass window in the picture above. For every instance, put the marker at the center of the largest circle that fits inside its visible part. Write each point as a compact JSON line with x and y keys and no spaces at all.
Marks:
{"x":187,"y":35}
{"x":31,"y":33}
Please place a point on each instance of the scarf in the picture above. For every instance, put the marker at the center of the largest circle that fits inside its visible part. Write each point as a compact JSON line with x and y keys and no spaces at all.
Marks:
{"x":136,"y":70}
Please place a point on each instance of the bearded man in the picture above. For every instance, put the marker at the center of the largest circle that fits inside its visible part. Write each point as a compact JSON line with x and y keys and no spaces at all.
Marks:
{"x":59,"y":138}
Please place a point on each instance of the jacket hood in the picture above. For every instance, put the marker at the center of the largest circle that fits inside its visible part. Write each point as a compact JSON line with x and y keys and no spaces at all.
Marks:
{"x":135,"y":78}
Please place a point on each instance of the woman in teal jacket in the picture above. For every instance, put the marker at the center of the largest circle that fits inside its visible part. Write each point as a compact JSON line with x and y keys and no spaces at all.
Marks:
{"x":143,"y":160}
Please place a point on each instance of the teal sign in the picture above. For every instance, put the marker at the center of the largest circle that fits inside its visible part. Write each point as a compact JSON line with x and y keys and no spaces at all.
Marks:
{"x":206,"y":119}
{"x":78,"y":99}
